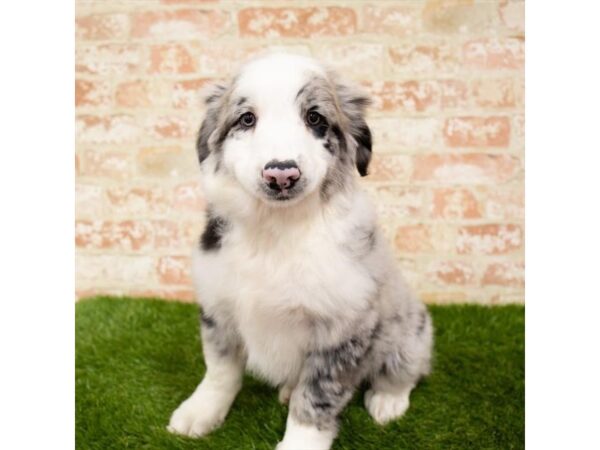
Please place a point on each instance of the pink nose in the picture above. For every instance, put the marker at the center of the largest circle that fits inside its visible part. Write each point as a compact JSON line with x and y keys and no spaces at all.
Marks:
{"x":281,"y":175}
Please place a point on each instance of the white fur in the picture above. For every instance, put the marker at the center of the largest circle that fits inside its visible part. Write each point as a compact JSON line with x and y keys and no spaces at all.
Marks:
{"x":385,"y":406}
{"x":305,"y":437}
{"x":207,"y":407}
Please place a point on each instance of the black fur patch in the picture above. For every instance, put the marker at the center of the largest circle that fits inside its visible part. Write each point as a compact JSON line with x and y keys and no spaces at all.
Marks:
{"x":329,"y":379}
{"x":422,"y":320}
{"x":213,"y":233}
{"x":207,"y":320}
{"x":282,"y":165}
{"x":363,"y":152}
{"x":219,"y":336}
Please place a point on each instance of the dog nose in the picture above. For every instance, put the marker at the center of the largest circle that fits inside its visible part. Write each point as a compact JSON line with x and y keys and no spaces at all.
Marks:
{"x":281,"y":175}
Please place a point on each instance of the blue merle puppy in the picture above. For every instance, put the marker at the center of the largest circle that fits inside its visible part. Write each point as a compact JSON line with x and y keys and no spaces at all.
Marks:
{"x":297,"y":283}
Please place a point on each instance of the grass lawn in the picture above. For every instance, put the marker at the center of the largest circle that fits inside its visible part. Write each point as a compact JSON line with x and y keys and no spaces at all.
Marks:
{"x":137,"y":360}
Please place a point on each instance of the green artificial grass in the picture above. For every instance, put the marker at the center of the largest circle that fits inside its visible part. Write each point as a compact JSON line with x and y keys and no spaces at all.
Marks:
{"x":136,"y":360}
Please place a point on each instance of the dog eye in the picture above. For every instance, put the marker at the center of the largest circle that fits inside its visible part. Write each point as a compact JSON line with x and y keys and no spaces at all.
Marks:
{"x":247,"y":120}
{"x":313,"y":118}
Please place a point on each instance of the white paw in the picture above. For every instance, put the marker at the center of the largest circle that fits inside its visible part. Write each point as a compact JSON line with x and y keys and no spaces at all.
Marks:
{"x":287,"y":444}
{"x":386,"y":406}
{"x":195,"y":417}
{"x":305,"y":437}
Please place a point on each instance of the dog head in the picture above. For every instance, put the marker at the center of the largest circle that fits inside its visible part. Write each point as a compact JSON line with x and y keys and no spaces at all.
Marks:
{"x":283,"y":129}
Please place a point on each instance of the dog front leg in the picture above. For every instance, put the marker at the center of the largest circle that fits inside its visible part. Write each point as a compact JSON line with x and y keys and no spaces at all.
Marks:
{"x":207,"y":407}
{"x":327,"y":382}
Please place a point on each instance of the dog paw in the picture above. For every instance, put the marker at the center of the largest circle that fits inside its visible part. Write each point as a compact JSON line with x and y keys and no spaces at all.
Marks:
{"x":386,"y":406}
{"x":299,"y":436}
{"x":303,"y":445}
{"x":195,"y":418}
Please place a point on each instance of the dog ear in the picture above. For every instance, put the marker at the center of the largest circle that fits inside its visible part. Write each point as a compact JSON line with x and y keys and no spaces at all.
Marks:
{"x":353,"y":103}
{"x":363,"y":150}
{"x":213,"y":97}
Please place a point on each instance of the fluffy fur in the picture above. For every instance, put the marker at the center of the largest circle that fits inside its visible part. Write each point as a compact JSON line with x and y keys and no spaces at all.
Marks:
{"x":297,"y":285}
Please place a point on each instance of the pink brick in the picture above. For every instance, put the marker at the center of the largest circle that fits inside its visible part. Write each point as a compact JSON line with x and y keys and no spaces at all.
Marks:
{"x":108,"y":59}
{"x":113,"y":129}
{"x":489,"y":239}
{"x":167,"y":161}
{"x":110,"y":270}
{"x":413,"y":239}
{"x":180,"y":24}
{"x":296,"y":22}
{"x":137,"y":201}
{"x":495,"y":53}
{"x":397,"y":202}
{"x":406,"y":133}
{"x":408,"y":96}
{"x":166,"y":234}
{"x":89,"y":200}
{"x":454,"y":203}
{"x":102,"y":26}
{"x":216,"y":61}
{"x":127,"y":235}
{"x":188,"y":2}
{"x":353,"y":59}
{"x":397,"y":20}
{"x":477,"y":132}
{"x":174,"y":270}
{"x":447,"y":296}
{"x":144,"y":93}
{"x":513,"y":15}
{"x":455,"y":94}
{"x":451,"y":272}
{"x":470,"y":168}
{"x":133,"y":94}
{"x":189,"y":197}
{"x":494,"y":93}
{"x":460,"y":17}
{"x":504,"y":202}
{"x":106,"y":164}
{"x":190,"y":232}
{"x":416,"y":58}
{"x":510,"y":274}
{"x":389,"y":167}
{"x":190,"y":93}
{"x":171,"y":59}
{"x":169,"y":127}
{"x":92,"y":93}
{"x":518,"y":126}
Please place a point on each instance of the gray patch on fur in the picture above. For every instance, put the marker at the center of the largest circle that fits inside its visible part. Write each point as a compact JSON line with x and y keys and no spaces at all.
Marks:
{"x":329,"y":378}
{"x":220,"y":335}
{"x":215,"y":229}
{"x":348,"y":137}
{"x":206,"y":320}
{"x":404,"y":339}
{"x":221,"y":120}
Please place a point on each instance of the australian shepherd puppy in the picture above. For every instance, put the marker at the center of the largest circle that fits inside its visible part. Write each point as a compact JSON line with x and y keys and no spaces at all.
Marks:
{"x":296,"y":282}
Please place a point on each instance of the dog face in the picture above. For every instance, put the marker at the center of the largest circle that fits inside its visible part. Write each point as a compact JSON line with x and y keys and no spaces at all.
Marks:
{"x":285,"y":128}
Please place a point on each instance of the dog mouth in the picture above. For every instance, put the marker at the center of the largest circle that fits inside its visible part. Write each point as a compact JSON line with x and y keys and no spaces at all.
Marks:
{"x":274,"y":193}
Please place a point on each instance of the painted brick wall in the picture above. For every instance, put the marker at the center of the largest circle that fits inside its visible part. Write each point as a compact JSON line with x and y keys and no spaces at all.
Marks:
{"x":448,"y":122}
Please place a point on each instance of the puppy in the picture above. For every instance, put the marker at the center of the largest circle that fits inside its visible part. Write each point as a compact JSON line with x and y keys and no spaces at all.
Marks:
{"x":296,"y":281}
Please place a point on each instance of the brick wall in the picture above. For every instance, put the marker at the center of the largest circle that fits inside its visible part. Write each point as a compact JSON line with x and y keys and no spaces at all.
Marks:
{"x":448,"y":122}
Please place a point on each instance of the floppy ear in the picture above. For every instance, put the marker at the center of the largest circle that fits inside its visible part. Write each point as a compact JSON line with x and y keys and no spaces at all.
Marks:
{"x":353,"y":104}
{"x":209,"y":124}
